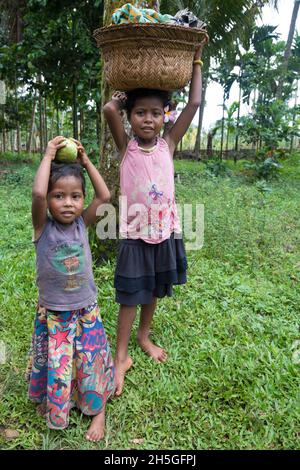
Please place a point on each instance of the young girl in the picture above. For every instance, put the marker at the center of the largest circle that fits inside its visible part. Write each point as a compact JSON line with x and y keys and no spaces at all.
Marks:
{"x":70,"y":362}
{"x":151,"y":254}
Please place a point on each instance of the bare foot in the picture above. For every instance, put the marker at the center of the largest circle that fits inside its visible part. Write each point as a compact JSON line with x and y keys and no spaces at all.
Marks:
{"x":96,"y":430}
{"x":42,"y":409}
{"x":157,"y":353}
{"x":121,"y":369}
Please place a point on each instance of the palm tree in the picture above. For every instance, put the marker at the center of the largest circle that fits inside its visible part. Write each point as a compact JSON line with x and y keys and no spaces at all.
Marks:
{"x":226,"y":21}
{"x":226,"y":78}
{"x":261,"y":39}
{"x":230,"y":121}
{"x":294,"y":64}
{"x":288,"y":47}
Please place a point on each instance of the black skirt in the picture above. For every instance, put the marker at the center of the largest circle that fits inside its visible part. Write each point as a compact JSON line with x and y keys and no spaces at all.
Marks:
{"x":145,"y":271}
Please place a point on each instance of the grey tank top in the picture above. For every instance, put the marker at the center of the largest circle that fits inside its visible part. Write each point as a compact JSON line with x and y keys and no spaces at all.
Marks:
{"x":64,"y":266}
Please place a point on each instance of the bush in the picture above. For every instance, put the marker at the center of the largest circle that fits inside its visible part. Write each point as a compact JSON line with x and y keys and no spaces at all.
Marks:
{"x":266,"y":170}
{"x":23,"y":157}
{"x":217,"y":168}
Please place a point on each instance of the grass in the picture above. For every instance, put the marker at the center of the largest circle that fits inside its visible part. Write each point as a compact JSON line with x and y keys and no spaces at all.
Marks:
{"x":232,"y":380}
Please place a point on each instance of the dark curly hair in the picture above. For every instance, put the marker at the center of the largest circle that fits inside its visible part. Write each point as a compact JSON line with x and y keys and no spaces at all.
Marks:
{"x":138,"y":93}
{"x":61,"y":170}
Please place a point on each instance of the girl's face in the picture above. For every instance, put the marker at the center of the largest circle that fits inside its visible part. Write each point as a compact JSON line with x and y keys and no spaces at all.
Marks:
{"x":147,"y":118}
{"x":66,"y":199}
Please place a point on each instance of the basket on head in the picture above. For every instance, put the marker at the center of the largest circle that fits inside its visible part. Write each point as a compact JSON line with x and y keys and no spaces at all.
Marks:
{"x":148,"y":55}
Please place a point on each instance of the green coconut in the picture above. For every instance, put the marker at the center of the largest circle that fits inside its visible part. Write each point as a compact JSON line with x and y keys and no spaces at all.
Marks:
{"x":68,"y":153}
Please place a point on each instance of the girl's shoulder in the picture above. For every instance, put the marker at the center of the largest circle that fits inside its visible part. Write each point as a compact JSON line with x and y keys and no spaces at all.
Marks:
{"x":168,"y":145}
{"x":131,"y":143}
{"x":39,"y":234}
{"x":163,"y":142}
{"x":79,"y":220}
{"x":131,"y":147}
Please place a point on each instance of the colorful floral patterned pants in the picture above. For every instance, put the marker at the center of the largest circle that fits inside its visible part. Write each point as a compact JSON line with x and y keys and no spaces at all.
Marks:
{"x":70,"y":363}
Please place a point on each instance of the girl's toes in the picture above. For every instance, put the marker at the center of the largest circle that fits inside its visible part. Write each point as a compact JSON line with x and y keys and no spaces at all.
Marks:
{"x":163,"y":356}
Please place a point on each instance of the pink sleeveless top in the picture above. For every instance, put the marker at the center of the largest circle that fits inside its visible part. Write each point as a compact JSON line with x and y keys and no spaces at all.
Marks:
{"x":148,"y":207}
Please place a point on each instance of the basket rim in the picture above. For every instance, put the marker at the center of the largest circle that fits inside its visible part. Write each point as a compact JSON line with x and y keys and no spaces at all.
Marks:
{"x":145,"y":42}
{"x":103,"y":34}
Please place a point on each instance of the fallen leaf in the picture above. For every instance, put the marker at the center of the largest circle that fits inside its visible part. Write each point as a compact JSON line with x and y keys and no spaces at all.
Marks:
{"x":11,"y":434}
{"x":288,"y":248}
{"x":137,"y":441}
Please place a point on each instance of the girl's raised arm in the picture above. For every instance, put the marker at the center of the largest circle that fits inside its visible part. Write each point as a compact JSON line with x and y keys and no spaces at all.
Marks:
{"x":102,"y":193}
{"x":40,"y":186}
{"x":182,"y":124}
{"x":112,"y":114}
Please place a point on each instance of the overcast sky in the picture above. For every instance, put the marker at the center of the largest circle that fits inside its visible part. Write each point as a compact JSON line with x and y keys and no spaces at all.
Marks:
{"x":214,"y":94}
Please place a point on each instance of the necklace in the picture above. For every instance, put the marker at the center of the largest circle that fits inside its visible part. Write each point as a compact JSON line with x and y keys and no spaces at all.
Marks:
{"x":147,"y":150}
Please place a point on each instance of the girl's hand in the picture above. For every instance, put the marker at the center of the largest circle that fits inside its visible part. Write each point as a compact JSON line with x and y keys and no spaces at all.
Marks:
{"x":198,"y":52}
{"x":199,"y":48}
{"x":82,"y":157}
{"x":53,"y":146}
{"x":119,"y":96}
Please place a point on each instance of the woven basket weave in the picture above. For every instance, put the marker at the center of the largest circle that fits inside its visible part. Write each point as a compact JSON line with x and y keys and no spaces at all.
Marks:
{"x":148,"y":55}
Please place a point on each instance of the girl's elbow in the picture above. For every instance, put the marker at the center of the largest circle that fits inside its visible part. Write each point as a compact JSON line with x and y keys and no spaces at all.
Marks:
{"x":38,"y":195}
{"x":109,"y":108}
{"x":195,"y":104}
{"x":105,"y":197}
{"x":106,"y":108}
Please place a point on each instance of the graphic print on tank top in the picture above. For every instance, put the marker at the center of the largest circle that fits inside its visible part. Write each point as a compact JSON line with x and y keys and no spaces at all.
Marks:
{"x":68,"y":259}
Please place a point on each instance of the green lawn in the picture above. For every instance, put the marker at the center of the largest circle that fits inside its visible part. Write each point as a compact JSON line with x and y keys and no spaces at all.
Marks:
{"x":232,"y":333}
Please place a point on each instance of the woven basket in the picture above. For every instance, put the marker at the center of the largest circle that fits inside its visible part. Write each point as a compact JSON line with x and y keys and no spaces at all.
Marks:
{"x":148,"y":55}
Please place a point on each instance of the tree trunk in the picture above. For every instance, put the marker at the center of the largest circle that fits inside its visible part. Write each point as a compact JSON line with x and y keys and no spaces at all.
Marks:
{"x":12,"y":141}
{"x":19,"y":143}
{"x":30,"y":137}
{"x":2,"y":106}
{"x":222,"y":129}
{"x":255,"y":99}
{"x":41,"y":134}
{"x":57,"y":120}
{"x":18,"y":135}
{"x":17,"y":114}
{"x":294,"y":115}
{"x":18,"y":39}
{"x":288,"y":47}
{"x":81,"y":124}
{"x":75,"y":118}
{"x":51,"y":134}
{"x":3,"y":141}
{"x":45,"y":122}
{"x":201,"y":113}
{"x":236,"y":147}
{"x":227,"y":140}
{"x":98,"y":123}
{"x":209,"y":148}
{"x":74,"y":88}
